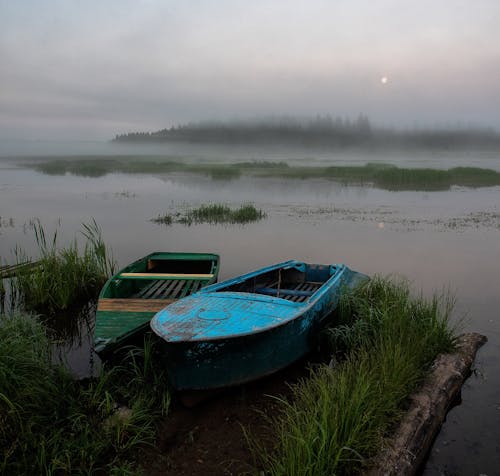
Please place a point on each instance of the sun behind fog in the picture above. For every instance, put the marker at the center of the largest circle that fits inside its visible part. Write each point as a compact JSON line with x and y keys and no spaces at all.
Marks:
{"x":384,"y":79}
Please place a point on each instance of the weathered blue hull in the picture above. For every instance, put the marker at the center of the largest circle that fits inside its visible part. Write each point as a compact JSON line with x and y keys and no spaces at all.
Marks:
{"x":228,"y":362}
{"x":223,"y":336}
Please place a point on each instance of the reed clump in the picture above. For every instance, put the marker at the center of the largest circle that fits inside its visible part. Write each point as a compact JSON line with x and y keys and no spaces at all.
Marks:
{"x":336,"y":419}
{"x":166,"y":219}
{"x":53,"y":424}
{"x":218,"y":213}
{"x":214,"y":214}
{"x":65,"y":277}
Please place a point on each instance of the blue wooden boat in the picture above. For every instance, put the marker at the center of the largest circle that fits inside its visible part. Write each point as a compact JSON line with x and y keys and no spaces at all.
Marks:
{"x":250,"y":326}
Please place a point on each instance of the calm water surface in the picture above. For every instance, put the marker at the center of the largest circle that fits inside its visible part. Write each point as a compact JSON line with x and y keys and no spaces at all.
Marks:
{"x":438,"y":240}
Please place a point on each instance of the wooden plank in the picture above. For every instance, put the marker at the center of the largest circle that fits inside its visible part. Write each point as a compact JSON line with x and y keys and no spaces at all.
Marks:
{"x":164,"y":276}
{"x":302,"y":287}
{"x":10,"y":270}
{"x":133,"y":305}
{"x":196,"y":286}
{"x":270,"y":284}
{"x":159,"y":292}
{"x":151,"y":290}
{"x":178,"y":288}
{"x":168,"y":291}
{"x":186,"y":289}
{"x":317,"y":284}
{"x":283,"y":292}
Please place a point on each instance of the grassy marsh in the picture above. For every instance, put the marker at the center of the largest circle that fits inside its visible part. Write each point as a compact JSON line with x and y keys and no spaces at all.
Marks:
{"x":52,"y":424}
{"x":337,"y":418}
{"x":385,"y":176}
{"x":213,"y":214}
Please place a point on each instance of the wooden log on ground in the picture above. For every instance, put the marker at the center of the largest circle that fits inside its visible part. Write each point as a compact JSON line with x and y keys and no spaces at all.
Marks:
{"x":10,"y":270}
{"x":405,"y":451}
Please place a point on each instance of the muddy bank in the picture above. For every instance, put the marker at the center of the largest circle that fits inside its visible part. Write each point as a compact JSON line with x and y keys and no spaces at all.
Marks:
{"x":211,"y":437}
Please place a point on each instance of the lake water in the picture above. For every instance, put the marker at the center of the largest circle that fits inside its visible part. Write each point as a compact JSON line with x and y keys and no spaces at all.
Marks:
{"x":438,"y":240}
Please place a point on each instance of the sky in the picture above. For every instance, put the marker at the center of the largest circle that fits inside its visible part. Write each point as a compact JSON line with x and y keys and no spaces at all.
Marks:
{"x":91,"y":69}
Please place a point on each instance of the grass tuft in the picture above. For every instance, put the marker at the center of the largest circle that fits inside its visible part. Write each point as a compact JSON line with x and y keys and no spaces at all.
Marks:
{"x":52,"y":424}
{"x":217,"y":213}
{"x":214,"y":214}
{"x":65,"y":276}
{"x":337,"y":417}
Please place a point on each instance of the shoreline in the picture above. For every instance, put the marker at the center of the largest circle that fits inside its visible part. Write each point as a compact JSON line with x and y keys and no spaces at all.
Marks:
{"x":406,"y":451}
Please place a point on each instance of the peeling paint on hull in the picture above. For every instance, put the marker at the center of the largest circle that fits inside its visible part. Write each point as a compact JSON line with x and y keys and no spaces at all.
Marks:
{"x":222,"y":336}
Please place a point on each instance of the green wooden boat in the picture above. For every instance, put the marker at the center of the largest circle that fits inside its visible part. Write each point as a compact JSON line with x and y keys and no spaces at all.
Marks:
{"x":130,"y":298}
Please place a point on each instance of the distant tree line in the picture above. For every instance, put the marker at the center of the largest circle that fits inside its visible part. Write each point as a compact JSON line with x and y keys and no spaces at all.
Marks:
{"x":319,"y":131}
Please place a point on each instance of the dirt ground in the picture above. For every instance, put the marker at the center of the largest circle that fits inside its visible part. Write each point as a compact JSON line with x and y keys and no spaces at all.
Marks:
{"x":209,"y":438}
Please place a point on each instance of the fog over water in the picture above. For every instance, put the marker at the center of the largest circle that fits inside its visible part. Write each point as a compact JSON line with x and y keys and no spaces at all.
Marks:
{"x":30,"y":151}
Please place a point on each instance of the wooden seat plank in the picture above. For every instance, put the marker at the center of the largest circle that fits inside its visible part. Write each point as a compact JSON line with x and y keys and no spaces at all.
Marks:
{"x":133,"y":305}
{"x":165,"y":276}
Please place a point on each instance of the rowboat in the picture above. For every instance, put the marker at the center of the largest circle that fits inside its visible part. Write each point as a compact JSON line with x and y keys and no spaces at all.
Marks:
{"x":250,"y":326}
{"x":131,"y":297}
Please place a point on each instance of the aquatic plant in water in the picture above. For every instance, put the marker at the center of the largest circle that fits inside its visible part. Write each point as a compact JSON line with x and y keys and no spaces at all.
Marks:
{"x":385,"y":176}
{"x":214,"y":214}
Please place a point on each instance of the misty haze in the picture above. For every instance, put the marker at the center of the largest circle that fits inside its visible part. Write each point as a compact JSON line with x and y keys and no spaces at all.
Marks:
{"x":363,"y":133}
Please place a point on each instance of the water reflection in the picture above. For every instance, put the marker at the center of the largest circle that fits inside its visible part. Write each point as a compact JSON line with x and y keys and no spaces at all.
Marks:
{"x":69,"y":331}
{"x":72,"y":334}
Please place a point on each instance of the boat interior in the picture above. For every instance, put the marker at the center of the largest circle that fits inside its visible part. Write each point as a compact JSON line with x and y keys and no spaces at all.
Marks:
{"x":180,"y":266}
{"x":295,"y":284}
{"x":162,"y":279}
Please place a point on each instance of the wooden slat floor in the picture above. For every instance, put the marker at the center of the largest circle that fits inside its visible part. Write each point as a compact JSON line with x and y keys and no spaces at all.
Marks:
{"x":169,"y":289}
{"x":310,"y":286}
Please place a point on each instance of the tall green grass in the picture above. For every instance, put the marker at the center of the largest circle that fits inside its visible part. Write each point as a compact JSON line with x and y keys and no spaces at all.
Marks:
{"x":52,"y":424}
{"x":66,"y":276}
{"x":337,"y":418}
